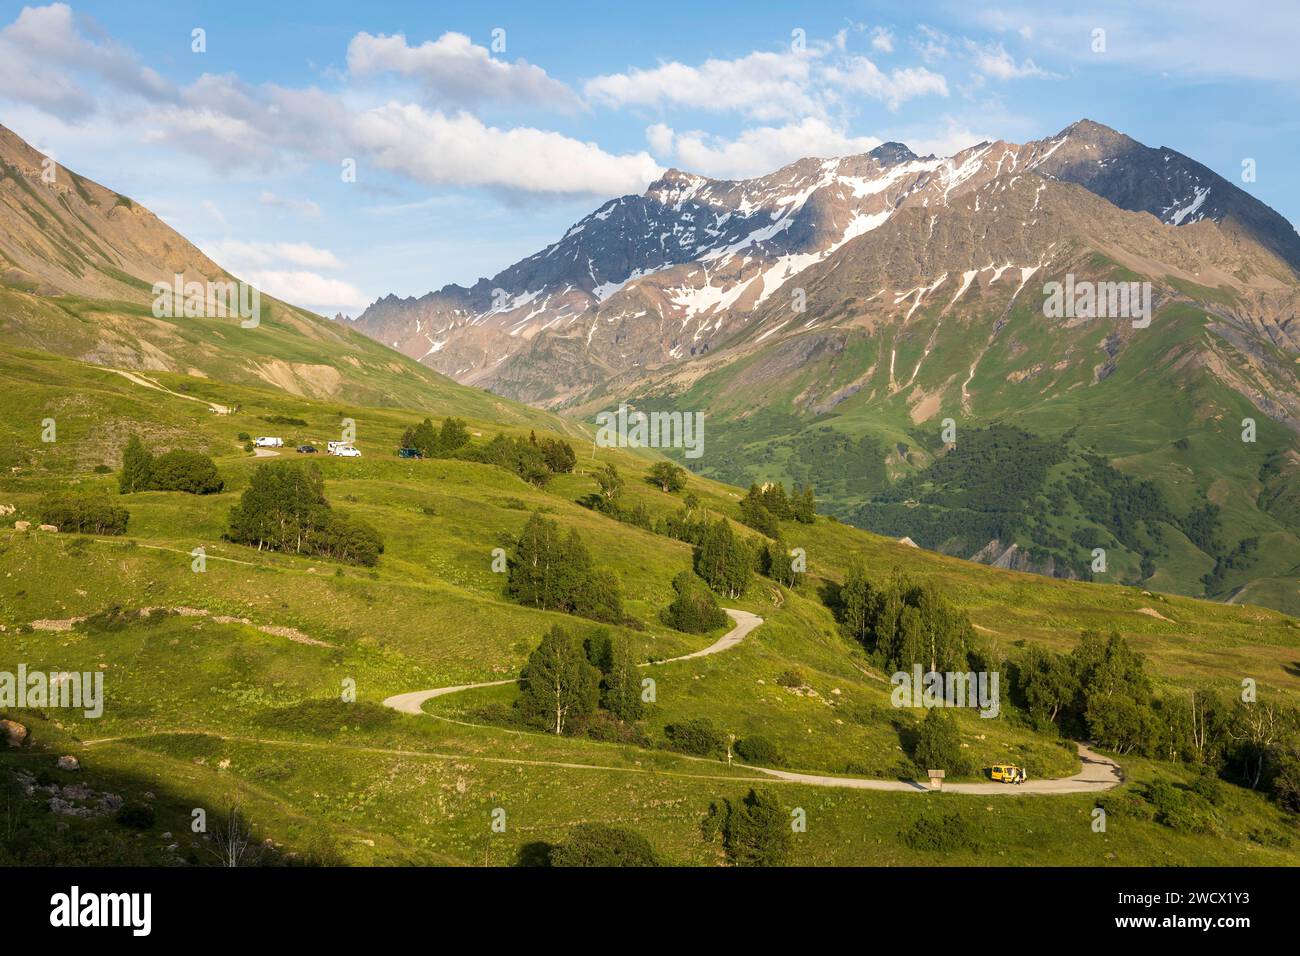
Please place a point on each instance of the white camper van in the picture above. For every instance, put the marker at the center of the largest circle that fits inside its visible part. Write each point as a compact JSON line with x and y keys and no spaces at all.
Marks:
{"x":342,"y":449}
{"x":269,"y":442}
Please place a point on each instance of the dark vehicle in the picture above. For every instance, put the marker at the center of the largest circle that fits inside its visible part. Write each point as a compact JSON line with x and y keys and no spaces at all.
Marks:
{"x":306,"y":449}
{"x":409,"y":453}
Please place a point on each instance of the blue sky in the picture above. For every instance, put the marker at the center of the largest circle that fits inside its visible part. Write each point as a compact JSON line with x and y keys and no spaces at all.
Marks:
{"x":474,"y":148}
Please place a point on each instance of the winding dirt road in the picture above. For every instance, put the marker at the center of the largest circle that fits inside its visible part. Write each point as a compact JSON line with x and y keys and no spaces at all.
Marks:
{"x":1098,"y":773}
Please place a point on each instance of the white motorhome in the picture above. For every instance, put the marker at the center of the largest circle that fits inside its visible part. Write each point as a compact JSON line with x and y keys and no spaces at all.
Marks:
{"x":269,"y":442}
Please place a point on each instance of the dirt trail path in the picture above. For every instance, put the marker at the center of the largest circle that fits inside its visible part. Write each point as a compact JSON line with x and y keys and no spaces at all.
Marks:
{"x":1098,"y":773}
{"x":412,"y":702}
{"x":147,"y":382}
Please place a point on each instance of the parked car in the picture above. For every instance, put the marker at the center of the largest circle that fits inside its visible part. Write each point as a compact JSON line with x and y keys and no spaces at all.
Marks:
{"x":268,"y":442}
{"x":345,"y":451}
{"x":409,"y":453}
{"x":306,"y":449}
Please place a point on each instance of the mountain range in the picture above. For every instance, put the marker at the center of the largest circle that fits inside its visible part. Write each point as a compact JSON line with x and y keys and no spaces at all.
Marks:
{"x":830,"y":317}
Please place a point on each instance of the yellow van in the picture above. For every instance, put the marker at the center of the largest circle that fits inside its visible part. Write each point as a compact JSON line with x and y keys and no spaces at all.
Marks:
{"x":1006,"y":772}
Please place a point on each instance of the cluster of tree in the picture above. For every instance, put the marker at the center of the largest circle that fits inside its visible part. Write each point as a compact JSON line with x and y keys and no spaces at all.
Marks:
{"x":724,"y":560}
{"x":177,"y":470}
{"x":554,"y":571}
{"x":1238,"y":559}
{"x":694,"y":610}
{"x":82,"y":513}
{"x":1101,"y":691}
{"x":755,"y":831}
{"x":764,"y":507}
{"x":566,"y":678}
{"x":434,"y":442}
{"x":902,"y":623}
{"x":284,"y":509}
{"x":535,"y":462}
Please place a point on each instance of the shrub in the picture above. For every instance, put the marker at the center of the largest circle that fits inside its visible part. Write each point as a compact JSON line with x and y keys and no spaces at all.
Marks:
{"x":1126,"y":806}
{"x":594,"y":844}
{"x":760,"y":751}
{"x":1209,"y":789}
{"x":186,"y":471}
{"x":137,"y":816}
{"x":755,"y":831}
{"x":791,"y":677}
{"x":83,"y":513}
{"x":941,"y":832}
{"x":697,"y":737}
{"x":1179,"y":809}
{"x":695,"y":610}
{"x":938,"y":744}
{"x":349,"y":539}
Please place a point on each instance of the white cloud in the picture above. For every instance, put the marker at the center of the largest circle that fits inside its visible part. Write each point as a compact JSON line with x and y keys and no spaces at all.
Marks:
{"x":768,"y":86}
{"x":462,"y":150}
{"x":308,"y":289}
{"x":254,"y":255}
{"x":288,"y":271}
{"x":764,"y":149}
{"x":660,"y":138}
{"x":993,"y":60}
{"x":45,"y":48}
{"x":859,"y":76}
{"x":761,"y":85}
{"x":454,"y":71}
{"x":882,"y":40}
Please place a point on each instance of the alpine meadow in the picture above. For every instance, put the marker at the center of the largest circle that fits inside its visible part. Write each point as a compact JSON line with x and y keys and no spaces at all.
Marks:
{"x":720,"y":437}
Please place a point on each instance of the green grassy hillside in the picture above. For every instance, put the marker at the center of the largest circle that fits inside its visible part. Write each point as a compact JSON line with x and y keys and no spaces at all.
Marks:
{"x":227,"y":682}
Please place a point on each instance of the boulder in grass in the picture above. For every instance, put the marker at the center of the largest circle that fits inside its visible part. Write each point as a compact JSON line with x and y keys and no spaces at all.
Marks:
{"x":22,"y":525}
{"x":69,"y":763}
{"x":12,"y":732}
{"x":49,"y":527}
